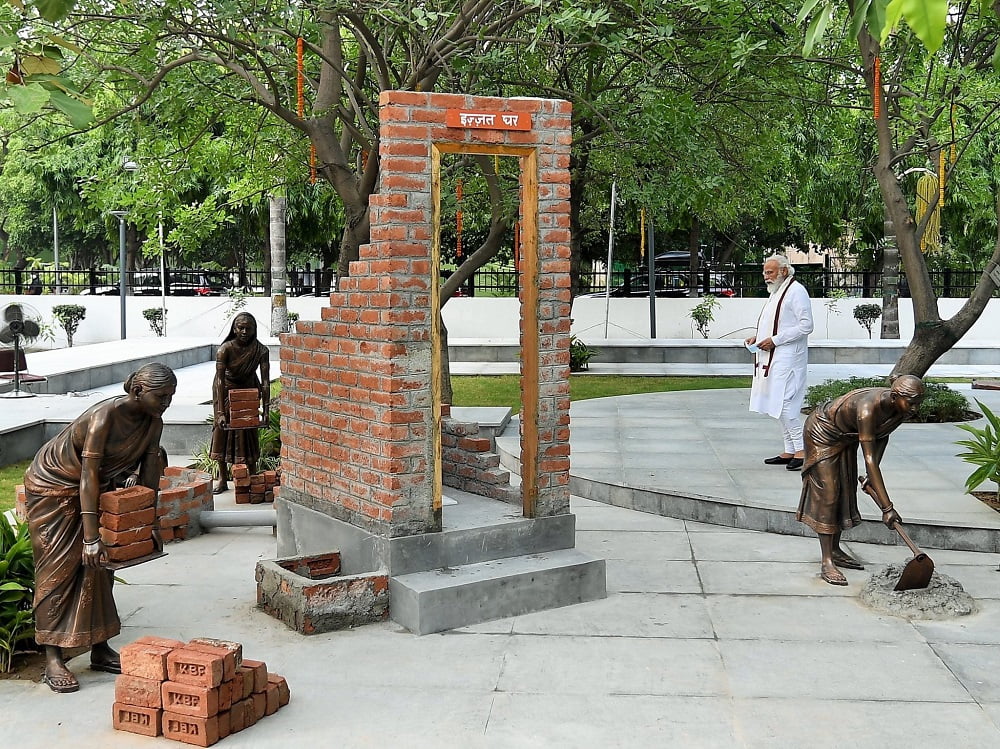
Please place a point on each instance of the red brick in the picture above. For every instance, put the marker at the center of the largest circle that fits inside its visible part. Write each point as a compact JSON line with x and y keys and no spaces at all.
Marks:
{"x":282,"y":685}
{"x":259,"y":669}
{"x":237,"y":717}
{"x":129,"y":520}
{"x":247,"y":676}
{"x":225,"y":726}
{"x":259,"y":705}
{"x":144,"y":721}
{"x":137,"y":691}
{"x":242,"y":395}
{"x":194,"y":667}
{"x":233,"y":647}
{"x":187,"y":699}
{"x":122,"y":501}
{"x":190,"y":730}
{"x":132,"y":551}
{"x":228,"y":656}
{"x":272,"y":699}
{"x":126,"y":537}
{"x":225,"y":696}
{"x":240,"y":471}
{"x":145,"y":660}
{"x":242,"y":498}
{"x":160,"y":642}
{"x":257,"y":479}
{"x":175,"y":493}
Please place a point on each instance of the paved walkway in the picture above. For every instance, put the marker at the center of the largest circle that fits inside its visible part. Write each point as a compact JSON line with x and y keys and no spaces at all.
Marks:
{"x":709,"y":637}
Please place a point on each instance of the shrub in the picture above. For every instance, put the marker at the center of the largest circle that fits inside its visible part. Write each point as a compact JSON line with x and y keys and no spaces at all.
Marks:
{"x":867,"y":314}
{"x":155,"y":316}
{"x":982,"y":450}
{"x":580,"y":354}
{"x":703,"y":313}
{"x":17,"y":589}
{"x":69,"y":317}
{"x":940,"y":404}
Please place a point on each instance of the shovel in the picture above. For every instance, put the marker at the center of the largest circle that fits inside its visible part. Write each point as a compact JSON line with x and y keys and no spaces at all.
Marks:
{"x":917,"y":572}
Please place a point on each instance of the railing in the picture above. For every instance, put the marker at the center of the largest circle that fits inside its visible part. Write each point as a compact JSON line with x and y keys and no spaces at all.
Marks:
{"x":146,"y":282}
{"x":745,"y":281}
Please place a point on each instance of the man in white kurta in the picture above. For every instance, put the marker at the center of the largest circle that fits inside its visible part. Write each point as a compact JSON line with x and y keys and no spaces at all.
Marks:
{"x":781,"y":347}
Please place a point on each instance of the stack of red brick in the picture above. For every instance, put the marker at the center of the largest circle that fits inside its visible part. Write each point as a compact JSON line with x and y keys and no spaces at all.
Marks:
{"x":184,"y":493}
{"x":127,"y":517}
{"x":254,"y":488}
{"x":244,"y":408}
{"x":196,"y":692}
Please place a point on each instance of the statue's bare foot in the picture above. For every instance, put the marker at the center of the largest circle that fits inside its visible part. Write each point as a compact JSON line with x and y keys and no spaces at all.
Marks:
{"x":59,"y":678}
{"x":103,"y":658}
{"x":832,"y":575}
{"x":842,"y":559}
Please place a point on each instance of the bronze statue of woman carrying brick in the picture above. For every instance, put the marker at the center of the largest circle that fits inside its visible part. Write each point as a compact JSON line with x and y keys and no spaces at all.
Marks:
{"x":237,"y":363}
{"x":74,"y":606}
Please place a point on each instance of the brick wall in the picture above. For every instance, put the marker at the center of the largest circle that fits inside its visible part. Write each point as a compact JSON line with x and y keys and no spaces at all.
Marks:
{"x":358,"y":417}
{"x":469,"y":463}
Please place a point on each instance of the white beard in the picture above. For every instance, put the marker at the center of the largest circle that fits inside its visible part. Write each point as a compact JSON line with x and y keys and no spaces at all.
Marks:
{"x":773,"y":286}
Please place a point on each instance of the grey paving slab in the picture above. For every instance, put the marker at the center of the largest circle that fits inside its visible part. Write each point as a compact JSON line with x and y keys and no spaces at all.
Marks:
{"x":613,"y":665}
{"x":900,"y":671}
{"x":624,"y":615}
{"x":644,"y":577}
{"x":779,"y":578}
{"x":804,"y":618}
{"x":976,"y":665}
{"x":981,"y":628}
{"x":626,"y":721}
{"x":886,"y":724}
{"x":753,"y":547}
{"x":635,"y":545}
{"x":599,"y":516}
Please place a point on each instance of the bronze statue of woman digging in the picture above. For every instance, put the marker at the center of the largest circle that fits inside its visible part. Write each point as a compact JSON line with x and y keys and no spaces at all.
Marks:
{"x":74,"y":605}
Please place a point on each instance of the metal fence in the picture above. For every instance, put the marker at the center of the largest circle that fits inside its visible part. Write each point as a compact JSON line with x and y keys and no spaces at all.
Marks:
{"x":147,"y":282}
{"x":745,"y":281}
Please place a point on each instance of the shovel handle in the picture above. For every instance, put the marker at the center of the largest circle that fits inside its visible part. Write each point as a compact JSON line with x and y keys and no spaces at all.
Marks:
{"x":898,"y":527}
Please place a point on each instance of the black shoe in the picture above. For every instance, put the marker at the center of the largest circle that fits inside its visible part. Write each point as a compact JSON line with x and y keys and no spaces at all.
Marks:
{"x":795,"y":464}
{"x":777,"y":460}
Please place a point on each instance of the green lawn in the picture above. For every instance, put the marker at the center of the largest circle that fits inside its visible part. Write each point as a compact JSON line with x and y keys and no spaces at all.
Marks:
{"x":504,"y":390}
{"x":11,"y":476}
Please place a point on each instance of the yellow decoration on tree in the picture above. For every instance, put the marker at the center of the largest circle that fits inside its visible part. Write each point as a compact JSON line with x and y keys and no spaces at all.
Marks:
{"x":928,"y":189}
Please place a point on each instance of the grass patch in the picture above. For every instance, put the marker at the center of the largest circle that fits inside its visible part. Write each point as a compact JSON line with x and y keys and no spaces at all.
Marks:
{"x":11,"y":476}
{"x":504,"y":390}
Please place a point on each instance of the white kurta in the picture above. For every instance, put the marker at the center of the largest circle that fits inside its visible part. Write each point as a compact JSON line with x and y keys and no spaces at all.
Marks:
{"x":785,"y":381}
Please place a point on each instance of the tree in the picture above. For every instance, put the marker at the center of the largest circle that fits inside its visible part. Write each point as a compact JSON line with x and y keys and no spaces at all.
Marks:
{"x":69,"y":317}
{"x":929,"y":112}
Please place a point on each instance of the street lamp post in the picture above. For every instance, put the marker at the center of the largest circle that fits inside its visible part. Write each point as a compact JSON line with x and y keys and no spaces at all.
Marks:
{"x":122,"y":284}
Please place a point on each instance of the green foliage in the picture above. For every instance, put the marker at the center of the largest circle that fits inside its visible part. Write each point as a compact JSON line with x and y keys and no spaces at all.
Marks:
{"x":703,"y":314}
{"x":580,"y":354}
{"x":982,"y":450}
{"x":17,"y":586}
{"x":155,"y":316}
{"x":69,"y":317}
{"x":940,"y":404}
{"x":867,"y":314}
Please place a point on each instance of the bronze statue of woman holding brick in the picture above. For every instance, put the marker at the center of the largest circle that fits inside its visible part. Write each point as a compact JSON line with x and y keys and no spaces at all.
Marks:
{"x":74,"y":605}
{"x":237,"y":363}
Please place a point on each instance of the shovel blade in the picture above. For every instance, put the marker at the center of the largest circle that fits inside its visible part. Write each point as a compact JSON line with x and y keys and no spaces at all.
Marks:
{"x":916,"y":574}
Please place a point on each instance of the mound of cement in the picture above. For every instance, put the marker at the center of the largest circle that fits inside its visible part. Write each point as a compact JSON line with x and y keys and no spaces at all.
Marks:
{"x":943,"y":598}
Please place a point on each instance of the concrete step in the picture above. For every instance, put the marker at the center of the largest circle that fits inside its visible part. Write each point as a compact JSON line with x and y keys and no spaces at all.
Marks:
{"x":450,"y":597}
{"x":478,"y":529}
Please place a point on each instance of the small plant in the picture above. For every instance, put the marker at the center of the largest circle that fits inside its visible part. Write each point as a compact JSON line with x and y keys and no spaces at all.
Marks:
{"x":17,"y":585}
{"x":293,"y":317}
{"x":703,"y":314}
{"x":237,"y":301}
{"x":982,"y":450}
{"x":155,"y":316}
{"x":867,"y":314}
{"x":580,"y":354}
{"x":69,"y":317}
{"x":941,"y":404}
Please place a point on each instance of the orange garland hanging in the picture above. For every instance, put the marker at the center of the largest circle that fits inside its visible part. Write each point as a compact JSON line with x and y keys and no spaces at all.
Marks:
{"x":517,"y":245}
{"x":877,"y":87}
{"x":300,"y":99}
{"x":941,"y":178}
{"x":458,"y":221}
{"x":642,"y":233}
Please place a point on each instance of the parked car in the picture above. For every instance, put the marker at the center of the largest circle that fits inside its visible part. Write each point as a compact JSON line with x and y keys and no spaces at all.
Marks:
{"x":670,"y":283}
{"x":181,"y":283}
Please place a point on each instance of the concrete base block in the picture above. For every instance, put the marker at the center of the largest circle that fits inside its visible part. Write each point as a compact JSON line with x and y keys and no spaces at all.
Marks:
{"x":309,"y":595}
{"x":436,"y":600}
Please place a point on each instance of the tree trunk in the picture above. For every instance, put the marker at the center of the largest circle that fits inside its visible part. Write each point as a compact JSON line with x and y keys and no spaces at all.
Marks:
{"x":276,"y":234}
{"x":890,"y":284}
{"x":694,"y":247}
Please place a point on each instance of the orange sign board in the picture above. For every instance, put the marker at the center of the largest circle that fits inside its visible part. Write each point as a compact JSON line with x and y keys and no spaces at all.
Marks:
{"x":488,"y":120}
